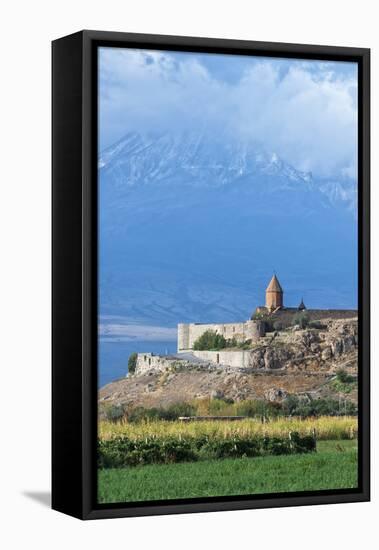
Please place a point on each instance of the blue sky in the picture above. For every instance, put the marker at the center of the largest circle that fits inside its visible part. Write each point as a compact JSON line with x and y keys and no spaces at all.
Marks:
{"x":305,"y":111}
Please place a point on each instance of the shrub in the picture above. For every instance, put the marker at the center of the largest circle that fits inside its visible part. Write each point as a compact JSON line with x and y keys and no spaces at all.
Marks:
{"x":277,"y":446}
{"x":173,"y":412}
{"x":232,"y":343}
{"x":344,"y":382}
{"x":246,"y":344}
{"x":301,"y":319}
{"x":278,"y":325}
{"x":140,"y":414}
{"x":210,"y":340}
{"x":132,"y":362}
{"x":258,"y":408}
{"x":268,"y":323}
{"x":294,"y":406}
{"x":234,"y":447}
{"x":113,"y":413}
{"x":258,"y":316}
{"x":295,"y":444}
{"x":221,"y":406}
{"x":344,"y":377}
{"x":306,"y":443}
{"x":121,"y":452}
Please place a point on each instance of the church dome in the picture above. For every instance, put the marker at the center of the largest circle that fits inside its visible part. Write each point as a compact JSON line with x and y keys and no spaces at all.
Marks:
{"x":301,"y":306}
{"x":274,"y":285}
{"x":274,"y":294}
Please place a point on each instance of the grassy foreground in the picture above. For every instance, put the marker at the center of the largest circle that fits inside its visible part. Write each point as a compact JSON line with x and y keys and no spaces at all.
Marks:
{"x":326,"y":428}
{"x":334,"y":466}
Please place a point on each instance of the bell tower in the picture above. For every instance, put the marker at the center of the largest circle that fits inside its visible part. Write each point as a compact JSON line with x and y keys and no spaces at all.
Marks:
{"x":274,"y":294}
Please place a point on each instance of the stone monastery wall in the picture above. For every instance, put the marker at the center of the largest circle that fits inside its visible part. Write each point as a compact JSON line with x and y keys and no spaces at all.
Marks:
{"x":148,"y":361}
{"x":189,"y":333}
{"x":286,"y":315}
{"x":234,"y":359}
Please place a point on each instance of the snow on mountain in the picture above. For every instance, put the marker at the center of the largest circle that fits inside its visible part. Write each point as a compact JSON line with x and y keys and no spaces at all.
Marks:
{"x":189,"y":158}
{"x":192,"y":226}
{"x":341,"y":191}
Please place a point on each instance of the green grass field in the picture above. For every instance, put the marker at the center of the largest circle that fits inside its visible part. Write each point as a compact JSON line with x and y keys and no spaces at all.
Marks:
{"x":334,"y":466}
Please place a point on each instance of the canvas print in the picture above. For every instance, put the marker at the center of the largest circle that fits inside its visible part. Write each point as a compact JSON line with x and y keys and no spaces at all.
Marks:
{"x":227,"y":275}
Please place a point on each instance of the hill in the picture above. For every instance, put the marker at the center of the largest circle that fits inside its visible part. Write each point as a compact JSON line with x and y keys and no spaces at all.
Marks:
{"x":305,"y":363}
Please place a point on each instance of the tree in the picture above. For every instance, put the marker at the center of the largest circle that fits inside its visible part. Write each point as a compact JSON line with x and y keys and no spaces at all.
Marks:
{"x":132,"y":362}
{"x":301,"y":319}
{"x":210,"y":340}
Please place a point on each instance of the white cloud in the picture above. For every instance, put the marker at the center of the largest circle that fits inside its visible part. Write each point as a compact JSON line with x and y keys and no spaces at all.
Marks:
{"x":304,"y":111}
{"x":310,"y":120}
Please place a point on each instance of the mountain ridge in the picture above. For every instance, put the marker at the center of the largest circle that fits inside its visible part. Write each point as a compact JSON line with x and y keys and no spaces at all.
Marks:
{"x":192,"y":228}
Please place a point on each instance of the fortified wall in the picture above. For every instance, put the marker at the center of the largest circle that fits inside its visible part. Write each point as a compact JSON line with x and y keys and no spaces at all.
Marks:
{"x":286,"y":315}
{"x":148,"y":361}
{"x":249,"y":330}
{"x":333,"y":345}
{"x":240,"y":359}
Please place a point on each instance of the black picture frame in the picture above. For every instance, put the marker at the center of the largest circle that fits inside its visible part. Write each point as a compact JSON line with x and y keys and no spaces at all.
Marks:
{"x":74,"y":272}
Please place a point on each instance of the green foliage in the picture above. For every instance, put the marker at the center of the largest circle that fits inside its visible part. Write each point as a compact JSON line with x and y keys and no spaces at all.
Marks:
{"x":277,"y":325}
{"x":233,"y":343}
{"x":235,"y":447}
{"x":132,"y":362}
{"x":114,"y":413}
{"x":219,"y":407}
{"x":258,"y":408}
{"x":121,"y":452}
{"x":344,"y":382}
{"x":259,"y":316}
{"x":294,"y":406}
{"x":173,"y":412}
{"x":344,"y":377}
{"x":245,"y":345}
{"x":301,"y":319}
{"x":262,"y":409}
{"x":293,"y":445}
{"x":210,"y":340}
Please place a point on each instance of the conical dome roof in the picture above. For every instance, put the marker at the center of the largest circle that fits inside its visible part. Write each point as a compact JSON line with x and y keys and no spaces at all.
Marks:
{"x":274,"y":285}
{"x":302,"y":305}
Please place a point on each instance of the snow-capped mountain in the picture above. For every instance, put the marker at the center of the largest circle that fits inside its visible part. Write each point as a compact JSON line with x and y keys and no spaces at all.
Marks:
{"x":192,"y":226}
{"x":342,"y":191}
{"x":198,"y":159}
{"x":190,"y":158}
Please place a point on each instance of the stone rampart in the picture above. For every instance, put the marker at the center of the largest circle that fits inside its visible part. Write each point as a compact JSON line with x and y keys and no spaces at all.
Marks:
{"x":235,"y":359}
{"x":285,"y":316}
{"x":149,"y":361}
{"x":189,"y":333}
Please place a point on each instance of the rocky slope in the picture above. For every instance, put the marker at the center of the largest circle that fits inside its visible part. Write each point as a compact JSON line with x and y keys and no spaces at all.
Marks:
{"x":300,"y":362}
